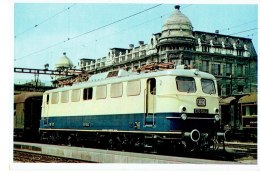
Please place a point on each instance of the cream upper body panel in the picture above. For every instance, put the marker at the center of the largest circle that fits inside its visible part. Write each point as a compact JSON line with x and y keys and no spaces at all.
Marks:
{"x":167,"y":98}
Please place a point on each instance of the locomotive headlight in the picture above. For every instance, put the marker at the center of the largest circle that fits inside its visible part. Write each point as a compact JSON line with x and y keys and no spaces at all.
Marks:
{"x":217,"y":117}
{"x":183,"y":109}
{"x":183,"y":116}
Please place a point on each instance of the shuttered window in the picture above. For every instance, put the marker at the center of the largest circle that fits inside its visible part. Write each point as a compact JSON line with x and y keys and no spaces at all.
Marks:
{"x":101,"y":92}
{"x":64,"y":96}
{"x":55,"y":98}
{"x":75,"y":95}
{"x":133,"y":88}
{"x":116,"y":90}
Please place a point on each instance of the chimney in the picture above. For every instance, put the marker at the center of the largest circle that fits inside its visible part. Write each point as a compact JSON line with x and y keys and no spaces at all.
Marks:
{"x":141,"y":42}
{"x":217,"y":31}
{"x":131,"y":46}
{"x":177,"y":7}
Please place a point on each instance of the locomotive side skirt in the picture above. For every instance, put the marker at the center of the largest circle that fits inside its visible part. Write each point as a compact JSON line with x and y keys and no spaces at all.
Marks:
{"x":165,"y":122}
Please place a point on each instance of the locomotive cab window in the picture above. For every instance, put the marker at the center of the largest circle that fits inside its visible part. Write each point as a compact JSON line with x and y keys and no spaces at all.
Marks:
{"x":186,"y":84}
{"x":208,"y":86}
{"x":87,"y":93}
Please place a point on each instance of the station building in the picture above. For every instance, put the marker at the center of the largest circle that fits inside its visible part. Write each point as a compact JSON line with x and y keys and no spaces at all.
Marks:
{"x":232,"y":60}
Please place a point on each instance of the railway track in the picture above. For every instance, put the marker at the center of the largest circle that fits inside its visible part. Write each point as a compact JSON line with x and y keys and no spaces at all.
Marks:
{"x":29,"y":157}
{"x":242,"y":150}
{"x":43,"y":153}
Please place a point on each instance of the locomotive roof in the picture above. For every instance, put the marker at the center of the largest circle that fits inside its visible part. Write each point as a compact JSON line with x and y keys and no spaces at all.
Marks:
{"x":20,"y":98}
{"x":117,"y":76}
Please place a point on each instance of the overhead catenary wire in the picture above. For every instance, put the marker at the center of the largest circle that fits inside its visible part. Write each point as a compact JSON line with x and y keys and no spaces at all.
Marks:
{"x":128,"y":28}
{"x":38,"y":51}
{"x":43,"y":21}
{"x":235,"y":26}
{"x":244,"y":31}
{"x":85,"y":33}
{"x":114,"y":22}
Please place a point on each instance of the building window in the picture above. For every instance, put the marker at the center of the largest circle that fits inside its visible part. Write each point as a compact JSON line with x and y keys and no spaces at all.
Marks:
{"x":217,"y":50}
{"x":87,"y":93}
{"x":228,"y":69}
{"x":205,"y":66}
{"x":116,"y":90}
{"x":239,"y":53}
{"x":203,"y":37}
{"x":215,"y":69}
{"x":186,"y":62}
{"x":162,"y":49}
{"x":229,"y":51}
{"x":240,"y":72}
{"x":228,"y":89}
{"x":240,"y":88}
{"x":205,"y":48}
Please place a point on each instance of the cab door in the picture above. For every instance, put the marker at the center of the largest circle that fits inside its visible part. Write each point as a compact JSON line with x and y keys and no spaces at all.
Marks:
{"x":45,"y":106}
{"x":150,"y":102}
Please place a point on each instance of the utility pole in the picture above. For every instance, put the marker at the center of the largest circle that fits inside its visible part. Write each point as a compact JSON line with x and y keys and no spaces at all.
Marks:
{"x":231,"y":90}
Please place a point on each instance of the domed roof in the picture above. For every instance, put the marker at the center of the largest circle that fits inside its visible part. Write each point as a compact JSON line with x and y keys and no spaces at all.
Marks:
{"x":64,"y":62}
{"x":177,"y":25}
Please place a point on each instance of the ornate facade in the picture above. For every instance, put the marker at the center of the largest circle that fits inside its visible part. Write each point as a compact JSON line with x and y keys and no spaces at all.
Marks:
{"x":233,"y":60}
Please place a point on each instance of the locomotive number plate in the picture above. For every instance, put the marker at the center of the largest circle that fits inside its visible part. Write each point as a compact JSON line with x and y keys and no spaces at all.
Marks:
{"x":201,"y":111}
{"x":201,"y":101}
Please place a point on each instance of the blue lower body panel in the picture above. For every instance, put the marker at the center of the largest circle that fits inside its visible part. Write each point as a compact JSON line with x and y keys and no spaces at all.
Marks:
{"x":161,"y":122}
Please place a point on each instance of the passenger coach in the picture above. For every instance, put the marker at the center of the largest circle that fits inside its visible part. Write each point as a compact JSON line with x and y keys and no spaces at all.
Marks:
{"x":27,"y":115}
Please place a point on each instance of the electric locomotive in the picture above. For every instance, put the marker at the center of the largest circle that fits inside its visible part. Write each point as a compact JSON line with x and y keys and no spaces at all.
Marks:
{"x":173,"y":108}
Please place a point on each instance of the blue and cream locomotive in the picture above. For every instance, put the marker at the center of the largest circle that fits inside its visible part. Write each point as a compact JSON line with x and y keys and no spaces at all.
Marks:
{"x":162,"y":108}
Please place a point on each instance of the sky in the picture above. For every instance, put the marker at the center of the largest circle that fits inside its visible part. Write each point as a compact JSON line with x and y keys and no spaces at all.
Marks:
{"x":41,"y":30}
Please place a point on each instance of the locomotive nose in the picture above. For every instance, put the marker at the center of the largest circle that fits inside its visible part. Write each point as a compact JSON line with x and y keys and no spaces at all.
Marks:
{"x":194,"y":135}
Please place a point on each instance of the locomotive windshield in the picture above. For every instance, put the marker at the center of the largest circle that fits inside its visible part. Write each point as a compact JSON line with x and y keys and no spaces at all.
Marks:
{"x":208,"y":86}
{"x":186,"y":84}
